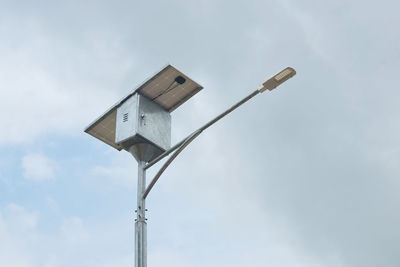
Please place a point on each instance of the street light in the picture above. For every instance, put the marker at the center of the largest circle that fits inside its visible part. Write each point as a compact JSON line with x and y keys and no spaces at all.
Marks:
{"x":278,"y":79}
{"x":141,"y":124}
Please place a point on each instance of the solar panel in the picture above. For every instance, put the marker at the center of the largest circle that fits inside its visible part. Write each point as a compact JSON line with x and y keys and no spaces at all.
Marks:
{"x":169,"y":88}
{"x":104,"y":129}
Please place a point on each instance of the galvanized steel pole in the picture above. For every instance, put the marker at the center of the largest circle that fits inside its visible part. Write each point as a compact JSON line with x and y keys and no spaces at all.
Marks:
{"x":141,"y":225}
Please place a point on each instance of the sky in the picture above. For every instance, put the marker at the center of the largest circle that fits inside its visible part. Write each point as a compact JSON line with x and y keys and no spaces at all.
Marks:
{"x":305,"y":175}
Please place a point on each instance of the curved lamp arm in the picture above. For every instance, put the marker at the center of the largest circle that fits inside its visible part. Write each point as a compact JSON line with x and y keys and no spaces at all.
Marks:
{"x":185,"y":142}
{"x":270,"y":84}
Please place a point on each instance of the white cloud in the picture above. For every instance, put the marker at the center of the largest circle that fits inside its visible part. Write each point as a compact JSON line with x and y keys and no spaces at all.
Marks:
{"x":17,"y":229}
{"x":19,"y":218}
{"x":120,"y":171}
{"x":106,"y":243}
{"x":73,"y":230}
{"x":25,"y":243}
{"x":41,"y":95}
{"x":38,"y":167}
{"x":168,"y":258}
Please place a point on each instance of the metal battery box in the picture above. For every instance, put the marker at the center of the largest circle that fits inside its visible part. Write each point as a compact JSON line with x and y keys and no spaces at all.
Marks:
{"x":140,"y":120}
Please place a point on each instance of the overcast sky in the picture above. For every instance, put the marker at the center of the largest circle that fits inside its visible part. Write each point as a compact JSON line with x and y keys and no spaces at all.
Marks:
{"x":306,"y":175}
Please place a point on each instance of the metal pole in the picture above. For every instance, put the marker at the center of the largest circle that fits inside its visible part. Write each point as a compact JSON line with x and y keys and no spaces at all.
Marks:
{"x":140,"y":224}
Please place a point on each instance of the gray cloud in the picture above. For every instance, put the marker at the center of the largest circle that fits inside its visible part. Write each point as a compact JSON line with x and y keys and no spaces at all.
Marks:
{"x":305,"y":175}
